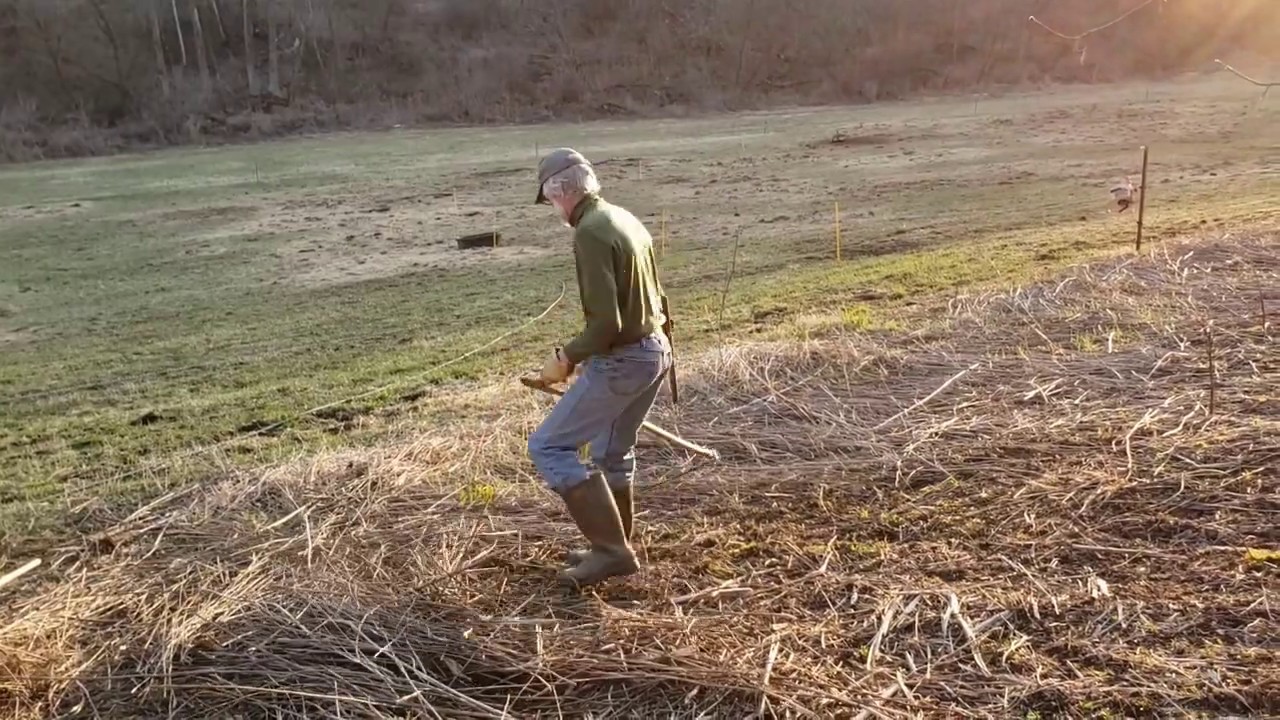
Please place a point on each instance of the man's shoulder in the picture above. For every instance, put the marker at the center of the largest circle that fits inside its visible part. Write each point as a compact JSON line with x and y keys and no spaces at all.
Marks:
{"x":612,"y":222}
{"x":604,"y":213}
{"x":593,"y":227}
{"x":602,"y":222}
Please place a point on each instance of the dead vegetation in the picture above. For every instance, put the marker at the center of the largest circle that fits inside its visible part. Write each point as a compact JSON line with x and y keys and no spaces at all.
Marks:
{"x":91,"y":77}
{"x":1024,"y":508}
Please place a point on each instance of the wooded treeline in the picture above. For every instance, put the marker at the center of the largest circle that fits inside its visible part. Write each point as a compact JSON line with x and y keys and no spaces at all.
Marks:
{"x":92,"y":76}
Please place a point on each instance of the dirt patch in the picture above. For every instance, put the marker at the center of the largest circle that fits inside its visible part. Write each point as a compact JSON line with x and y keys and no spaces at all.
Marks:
{"x":313,"y":263}
{"x":16,"y":337}
{"x":13,"y":331}
{"x":150,"y":417}
{"x":852,"y":138}
{"x":269,"y":428}
{"x":44,"y":212}
{"x":203,"y":214}
{"x":339,"y":240}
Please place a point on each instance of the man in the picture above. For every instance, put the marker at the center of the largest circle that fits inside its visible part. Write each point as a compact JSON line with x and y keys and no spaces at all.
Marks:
{"x":623,"y":355}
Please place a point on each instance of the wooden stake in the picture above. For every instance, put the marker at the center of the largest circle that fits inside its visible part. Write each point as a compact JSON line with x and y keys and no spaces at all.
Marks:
{"x":663,"y":247}
{"x":1213,"y":373}
{"x":19,"y":572}
{"x":1142,"y":199}
{"x":733,"y":266}
{"x":837,"y":231}
{"x":1262,"y":305}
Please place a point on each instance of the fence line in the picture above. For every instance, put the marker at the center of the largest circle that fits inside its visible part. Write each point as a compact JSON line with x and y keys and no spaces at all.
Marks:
{"x":812,"y":246}
{"x":200,"y":450}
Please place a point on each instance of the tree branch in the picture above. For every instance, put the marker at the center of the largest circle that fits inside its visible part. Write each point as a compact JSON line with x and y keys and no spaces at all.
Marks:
{"x":108,"y":31}
{"x":1266,"y":86}
{"x":1091,"y":31}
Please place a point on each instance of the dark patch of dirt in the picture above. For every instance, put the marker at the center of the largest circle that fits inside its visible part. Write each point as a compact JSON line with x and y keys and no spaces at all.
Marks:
{"x":185,"y":215}
{"x":150,"y":417}
{"x":269,"y":428}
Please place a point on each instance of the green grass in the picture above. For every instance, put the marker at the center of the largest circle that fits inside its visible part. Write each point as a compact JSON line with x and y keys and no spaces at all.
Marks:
{"x":157,"y":303}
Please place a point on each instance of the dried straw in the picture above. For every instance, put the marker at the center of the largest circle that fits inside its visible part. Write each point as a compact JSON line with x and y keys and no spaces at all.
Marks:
{"x":1060,"y":528}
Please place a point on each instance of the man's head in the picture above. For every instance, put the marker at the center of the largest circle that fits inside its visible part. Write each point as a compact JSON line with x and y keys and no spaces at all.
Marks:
{"x":565,"y":177}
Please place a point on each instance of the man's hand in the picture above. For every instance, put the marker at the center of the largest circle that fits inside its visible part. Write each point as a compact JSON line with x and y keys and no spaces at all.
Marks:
{"x":557,"y":367}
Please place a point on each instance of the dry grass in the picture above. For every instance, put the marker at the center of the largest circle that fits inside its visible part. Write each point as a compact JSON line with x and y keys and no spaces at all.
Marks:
{"x":1022,"y":509}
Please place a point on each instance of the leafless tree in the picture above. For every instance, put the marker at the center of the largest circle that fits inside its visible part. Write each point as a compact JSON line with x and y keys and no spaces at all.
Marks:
{"x":109,"y":62}
{"x":157,"y":46}
{"x":217,"y":20}
{"x":177,"y":30}
{"x":1266,"y":86}
{"x":273,"y":51}
{"x":249,"y":61}
{"x":202,"y":60}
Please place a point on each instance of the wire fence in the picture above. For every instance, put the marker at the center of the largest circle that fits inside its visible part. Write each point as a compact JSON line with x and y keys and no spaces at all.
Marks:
{"x":268,"y":428}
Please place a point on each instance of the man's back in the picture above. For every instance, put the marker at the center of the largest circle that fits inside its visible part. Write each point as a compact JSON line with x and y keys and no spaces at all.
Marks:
{"x":617,"y":279}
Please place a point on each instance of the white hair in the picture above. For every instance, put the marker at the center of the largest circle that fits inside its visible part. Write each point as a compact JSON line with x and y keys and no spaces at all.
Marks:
{"x":572,"y":184}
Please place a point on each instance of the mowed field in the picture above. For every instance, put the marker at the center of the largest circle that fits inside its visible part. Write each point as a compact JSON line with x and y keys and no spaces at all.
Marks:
{"x":156,"y":304}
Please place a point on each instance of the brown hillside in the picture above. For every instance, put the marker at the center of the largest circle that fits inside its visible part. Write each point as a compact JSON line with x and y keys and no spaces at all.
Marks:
{"x":90,"y":76}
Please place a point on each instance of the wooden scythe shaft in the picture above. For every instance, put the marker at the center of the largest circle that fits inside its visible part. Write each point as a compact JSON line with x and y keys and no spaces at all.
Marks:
{"x":539,"y":385}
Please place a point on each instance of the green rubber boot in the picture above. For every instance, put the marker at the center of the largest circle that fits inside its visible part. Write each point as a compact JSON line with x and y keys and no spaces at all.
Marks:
{"x":592,"y":507}
{"x":625,"y":503}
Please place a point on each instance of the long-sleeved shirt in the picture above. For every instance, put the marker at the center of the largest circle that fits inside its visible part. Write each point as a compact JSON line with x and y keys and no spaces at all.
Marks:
{"x":617,"y":279}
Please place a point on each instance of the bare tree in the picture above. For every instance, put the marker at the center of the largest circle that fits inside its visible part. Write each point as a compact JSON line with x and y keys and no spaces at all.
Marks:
{"x":1266,"y":86}
{"x":120,"y":80}
{"x":206,"y":85}
{"x":177,"y":29}
{"x":217,"y":19}
{"x":333,"y":57}
{"x":250,"y":77}
{"x":105,"y":61}
{"x":1076,"y":38}
{"x":157,"y":43}
{"x":273,"y":52}
{"x":51,"y":37}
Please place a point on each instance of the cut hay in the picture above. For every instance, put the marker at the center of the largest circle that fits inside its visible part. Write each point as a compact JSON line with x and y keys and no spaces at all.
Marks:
{"x":1022,"y":509}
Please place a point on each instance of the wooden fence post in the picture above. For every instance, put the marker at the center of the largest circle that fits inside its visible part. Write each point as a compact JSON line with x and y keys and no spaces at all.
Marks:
{"x":1142,"y":199}
{"x":837,"y":231}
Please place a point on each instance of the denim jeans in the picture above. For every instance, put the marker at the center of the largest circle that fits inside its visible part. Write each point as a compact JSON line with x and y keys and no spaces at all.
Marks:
{"x":603,"y":408}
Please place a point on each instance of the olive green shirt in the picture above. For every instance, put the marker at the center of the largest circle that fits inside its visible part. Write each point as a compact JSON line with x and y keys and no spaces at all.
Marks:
{"x":617,"y":279}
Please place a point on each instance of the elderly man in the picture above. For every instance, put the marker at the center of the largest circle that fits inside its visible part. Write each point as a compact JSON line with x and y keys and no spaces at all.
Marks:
{"x":623,"y":355}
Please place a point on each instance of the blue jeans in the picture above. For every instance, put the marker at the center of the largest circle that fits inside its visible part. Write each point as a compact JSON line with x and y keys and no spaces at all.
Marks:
{"x":604,"y":408}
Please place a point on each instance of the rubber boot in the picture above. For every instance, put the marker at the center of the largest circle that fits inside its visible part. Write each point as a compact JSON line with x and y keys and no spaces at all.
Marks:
{"x":592,"y":507}
{"x":623,"y":499}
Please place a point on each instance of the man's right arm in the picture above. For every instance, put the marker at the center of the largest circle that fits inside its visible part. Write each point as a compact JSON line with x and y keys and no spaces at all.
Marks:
{"x":599,"y":299}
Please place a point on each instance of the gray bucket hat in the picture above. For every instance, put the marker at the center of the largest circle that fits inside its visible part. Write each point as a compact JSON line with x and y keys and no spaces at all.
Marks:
{"x":557,"y":161}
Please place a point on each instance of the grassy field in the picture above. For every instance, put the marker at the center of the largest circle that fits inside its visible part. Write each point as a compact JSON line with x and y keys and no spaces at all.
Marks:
{"x":157,"y":303}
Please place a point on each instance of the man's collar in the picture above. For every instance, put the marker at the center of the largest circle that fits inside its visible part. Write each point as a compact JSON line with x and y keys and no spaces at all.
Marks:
{"x":586,"y":204}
